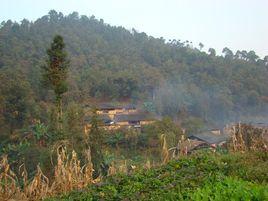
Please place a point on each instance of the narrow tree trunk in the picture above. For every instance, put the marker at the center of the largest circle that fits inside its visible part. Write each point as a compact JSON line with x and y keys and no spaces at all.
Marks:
{"x":59,"y":114}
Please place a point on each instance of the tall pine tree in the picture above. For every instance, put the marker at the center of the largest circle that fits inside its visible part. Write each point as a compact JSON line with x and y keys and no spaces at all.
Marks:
{"x":55,"y":74}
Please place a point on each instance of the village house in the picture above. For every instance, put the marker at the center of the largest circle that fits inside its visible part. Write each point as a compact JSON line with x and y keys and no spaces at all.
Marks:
{"x":119,"y":116}
{"x":112,"y":110}
{"x":133,"y":120}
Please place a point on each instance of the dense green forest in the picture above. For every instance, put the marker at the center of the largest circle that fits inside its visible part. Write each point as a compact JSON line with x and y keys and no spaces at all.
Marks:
{"x":108,"y":63}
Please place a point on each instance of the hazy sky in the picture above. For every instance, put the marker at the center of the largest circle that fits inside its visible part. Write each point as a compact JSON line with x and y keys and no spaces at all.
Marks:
{"x":237,"y":24}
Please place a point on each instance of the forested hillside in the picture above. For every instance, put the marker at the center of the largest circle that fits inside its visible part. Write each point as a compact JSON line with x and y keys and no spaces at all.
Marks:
{"x":112,"y":63}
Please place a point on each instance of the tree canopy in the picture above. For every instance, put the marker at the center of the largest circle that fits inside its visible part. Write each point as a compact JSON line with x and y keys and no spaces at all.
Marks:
{"x":55,"y":73}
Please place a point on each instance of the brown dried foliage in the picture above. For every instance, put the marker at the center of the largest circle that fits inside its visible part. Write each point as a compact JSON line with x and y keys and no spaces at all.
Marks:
{"x":68,"y":175}
{"x":246,"y":137}
{"x":164,"y":153}
{"x":8,"y":182}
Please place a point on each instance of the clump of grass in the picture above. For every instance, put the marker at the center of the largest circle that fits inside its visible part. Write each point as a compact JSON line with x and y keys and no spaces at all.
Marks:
{"x":69,"y":174}
{"x":38,"y":188}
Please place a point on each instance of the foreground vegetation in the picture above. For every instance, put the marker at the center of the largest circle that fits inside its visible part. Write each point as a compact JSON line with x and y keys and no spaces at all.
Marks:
{"x":203,"y":176}
{"x":237,"y":170}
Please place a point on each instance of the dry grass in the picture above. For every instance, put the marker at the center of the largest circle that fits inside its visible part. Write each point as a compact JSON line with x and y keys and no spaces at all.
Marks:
{"x":164,"y":152}
{"x":182,"y":146}
{"x":247,"y":138}
{"x":8,"y":182}
{"x":38,"y":188}
{"x":68,"y":175}
{"x":179,"y":150}
{"x":112,"y":169}
{"x":148,"y":164}
{"x":121,"y":166}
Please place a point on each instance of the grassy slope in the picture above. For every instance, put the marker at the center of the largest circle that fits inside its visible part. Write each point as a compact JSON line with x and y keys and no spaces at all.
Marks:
{"x":203,"y":176}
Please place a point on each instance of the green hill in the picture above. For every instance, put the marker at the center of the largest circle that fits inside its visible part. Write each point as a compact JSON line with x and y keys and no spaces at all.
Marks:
{"x":112,"y":63}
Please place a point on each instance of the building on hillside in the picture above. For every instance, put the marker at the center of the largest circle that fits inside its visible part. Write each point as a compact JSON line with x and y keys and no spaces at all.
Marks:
{"x":112,"y":110}
{"x":135,"y":120}
{"x":108,"y":109}
{"x":115,"y":117}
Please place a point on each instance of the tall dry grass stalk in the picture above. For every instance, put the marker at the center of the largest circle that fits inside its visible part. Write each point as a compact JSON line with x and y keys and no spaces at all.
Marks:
{"x":112,"y":169}
{"x":123,"y":167}
{"x":68,"y":175}
{"x":148,"y":164}
{"x":182,"y":148}
{"x":164,"y":152}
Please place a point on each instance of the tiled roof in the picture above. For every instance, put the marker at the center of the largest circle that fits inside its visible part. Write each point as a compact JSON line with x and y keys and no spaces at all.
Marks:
{"x":132,"y":117}
{"x":130,"y":106}
{"x":109,"y":106}
{"x":210,"y":138}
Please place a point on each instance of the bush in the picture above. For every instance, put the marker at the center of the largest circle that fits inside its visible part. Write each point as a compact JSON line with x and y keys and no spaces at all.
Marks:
{"x":167,"y":127}
{"x":231,"y":189}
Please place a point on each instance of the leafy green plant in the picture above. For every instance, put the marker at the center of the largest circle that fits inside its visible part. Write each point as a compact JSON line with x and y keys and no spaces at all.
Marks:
{"x":40,"y":131}
{"x":115,"y":139}
{"x":230,"y":189}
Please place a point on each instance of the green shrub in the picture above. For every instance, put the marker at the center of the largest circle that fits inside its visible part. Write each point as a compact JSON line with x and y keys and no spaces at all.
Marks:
{"x":230,"y":189}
